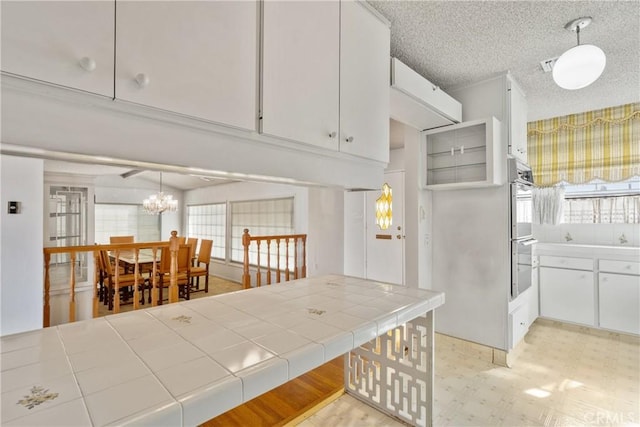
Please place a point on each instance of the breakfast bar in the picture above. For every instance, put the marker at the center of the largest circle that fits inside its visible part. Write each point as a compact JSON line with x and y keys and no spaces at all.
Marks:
{"x":185,"y":363}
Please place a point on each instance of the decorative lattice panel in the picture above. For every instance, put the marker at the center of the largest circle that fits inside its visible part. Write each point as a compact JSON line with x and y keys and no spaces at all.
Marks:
{"x":394,"y":372}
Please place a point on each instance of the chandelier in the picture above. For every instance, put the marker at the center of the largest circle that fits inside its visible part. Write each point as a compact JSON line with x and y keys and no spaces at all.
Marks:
{"x":160,"y":202}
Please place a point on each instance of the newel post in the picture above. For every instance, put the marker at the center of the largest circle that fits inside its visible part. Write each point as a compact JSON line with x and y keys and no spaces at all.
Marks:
{"x":174,"y":246}
{"x":246,"y":240}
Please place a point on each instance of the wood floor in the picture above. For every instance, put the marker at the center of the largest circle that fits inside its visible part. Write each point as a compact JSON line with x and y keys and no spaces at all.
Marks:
{"x":289,"y":401}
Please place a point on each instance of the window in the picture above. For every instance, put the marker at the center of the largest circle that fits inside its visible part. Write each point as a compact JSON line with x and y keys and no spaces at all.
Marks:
{"x":603,"y":203}
{"x":261,"y":217}
{"x":125,"y":220}
{"x":209,"y":222}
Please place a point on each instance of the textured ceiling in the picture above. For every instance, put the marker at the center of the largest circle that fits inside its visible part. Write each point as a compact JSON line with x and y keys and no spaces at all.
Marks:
{"x":452,"y":43}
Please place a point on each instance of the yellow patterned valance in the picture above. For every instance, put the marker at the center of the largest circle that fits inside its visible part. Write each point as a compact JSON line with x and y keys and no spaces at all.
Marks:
{"x":602,"y":144}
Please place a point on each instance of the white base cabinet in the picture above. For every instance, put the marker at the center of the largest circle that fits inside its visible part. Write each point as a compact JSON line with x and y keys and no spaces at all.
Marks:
{"x":619,"y":297}
{"x":567,"y":295}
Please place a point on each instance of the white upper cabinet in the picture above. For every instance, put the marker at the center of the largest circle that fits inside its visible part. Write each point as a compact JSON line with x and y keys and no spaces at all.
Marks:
{"x":364,"y":82}
{"x":326,"y":76}
{"x":300,"y":71}
{"x":194,"y":58}
{"x":66,"y":43}
{"x":517,"y":109}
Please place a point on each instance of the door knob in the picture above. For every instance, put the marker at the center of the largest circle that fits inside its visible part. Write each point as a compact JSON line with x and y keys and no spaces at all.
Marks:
{"x":332,"y":135}
{"x":349,"y":139}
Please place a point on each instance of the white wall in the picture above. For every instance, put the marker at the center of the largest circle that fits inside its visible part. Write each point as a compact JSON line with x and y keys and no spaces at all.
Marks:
{"x":114,"y":189}
{"x":326,"y":231}
{"x":21,"y":236}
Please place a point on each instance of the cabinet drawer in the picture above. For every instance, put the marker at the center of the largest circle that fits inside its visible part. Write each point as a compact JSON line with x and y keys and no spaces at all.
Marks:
{"x":519,"y":319}
{"x":566,"y":262}
{"x":621,"y":267}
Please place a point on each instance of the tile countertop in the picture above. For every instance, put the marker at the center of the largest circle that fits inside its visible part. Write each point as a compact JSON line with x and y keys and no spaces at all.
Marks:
{"x":185,"y":363}
{"x":623,"y":253}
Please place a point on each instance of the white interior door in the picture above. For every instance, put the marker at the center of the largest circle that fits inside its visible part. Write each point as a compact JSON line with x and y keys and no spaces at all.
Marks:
{"x":385,"y":248}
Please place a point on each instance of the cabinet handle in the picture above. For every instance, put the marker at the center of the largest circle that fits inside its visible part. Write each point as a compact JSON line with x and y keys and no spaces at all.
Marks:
{"x":349,"y":139}
{"x":332,"y":135}
{"x":87,"y":64}
{"x":462,"y":149}
{"x":453,"y":151}
{"x":143,"y":80}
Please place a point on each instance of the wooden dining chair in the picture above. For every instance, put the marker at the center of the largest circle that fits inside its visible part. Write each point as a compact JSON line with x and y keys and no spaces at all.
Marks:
{"x":204,"y":257}
{"x":184,"y":271}
{"x":125,"y":280}
{"x":193,"y":242}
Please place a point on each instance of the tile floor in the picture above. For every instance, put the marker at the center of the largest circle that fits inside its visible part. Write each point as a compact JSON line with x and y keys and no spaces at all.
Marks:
{"x":564,"y":376}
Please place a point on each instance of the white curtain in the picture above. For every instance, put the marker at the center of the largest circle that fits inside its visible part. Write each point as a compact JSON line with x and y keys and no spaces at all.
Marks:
{"x":548,"y":205}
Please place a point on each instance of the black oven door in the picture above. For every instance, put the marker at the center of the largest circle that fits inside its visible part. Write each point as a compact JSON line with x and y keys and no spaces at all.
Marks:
{"x":521,"y":264}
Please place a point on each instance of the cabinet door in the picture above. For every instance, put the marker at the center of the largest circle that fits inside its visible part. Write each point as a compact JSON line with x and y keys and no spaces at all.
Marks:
{"x":517,"y":112}
{"x":193,"y":58}
{"x":300,"y":74}
{"x":620,"y":302}
{"x":364,"y":83}
{"x":47,"y":40}
{"x":567,"y":295}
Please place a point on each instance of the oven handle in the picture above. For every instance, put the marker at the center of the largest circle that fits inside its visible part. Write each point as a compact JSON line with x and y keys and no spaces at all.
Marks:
{"x":528,"y":242}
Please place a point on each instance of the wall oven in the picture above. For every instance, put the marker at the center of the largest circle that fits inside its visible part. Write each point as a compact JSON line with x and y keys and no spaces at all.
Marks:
{"x":522,"y":241}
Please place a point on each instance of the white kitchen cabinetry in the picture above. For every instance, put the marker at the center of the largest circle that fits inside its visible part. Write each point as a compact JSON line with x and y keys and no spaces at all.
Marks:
{"x":517,"y":110}
{"x":301,"y":71}
{"x":465,"y":155}
{"x":567,"y":289}
{"x":502,"y":98}
{"x":518,"y":324}
{"x":196,"y":58}
{"x":364,"y":82}
{"x":619,"y":296}
{"x":326,"y":76}
{"x":66,"y":43}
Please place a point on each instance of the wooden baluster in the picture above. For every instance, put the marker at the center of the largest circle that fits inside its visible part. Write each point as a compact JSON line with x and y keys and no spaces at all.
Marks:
{"x":286,"y":274}
{"x":116,"y":285}
{"x":154,"y":281}
{"x":136,"y":271}
{"x":268,"y":261}
{"x":72,"y":290}
{"x":46,"y":311}
{"x":278,"y":269}
{"x":246,"y":241}
{"x":304,"y":256}
{"x":96,"y":281}
{"x":295,"y":257}
{"x":173,"y":249}
{"x":258,"y":281}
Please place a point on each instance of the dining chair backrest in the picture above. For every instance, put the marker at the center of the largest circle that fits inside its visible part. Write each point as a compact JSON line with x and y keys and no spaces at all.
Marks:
{"x":193,"y":243}
{"x":105,"y":263}
{"x":184,"y":259}
{"x":204,"y":256}
{"x":182,"y":240}
{"x":120,"y":239}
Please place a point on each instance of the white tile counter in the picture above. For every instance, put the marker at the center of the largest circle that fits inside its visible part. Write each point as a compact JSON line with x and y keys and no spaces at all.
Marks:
{"x":184,"y":363}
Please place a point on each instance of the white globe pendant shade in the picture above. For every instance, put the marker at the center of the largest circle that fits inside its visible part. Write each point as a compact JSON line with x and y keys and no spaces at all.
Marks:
{"x":579,"y":67}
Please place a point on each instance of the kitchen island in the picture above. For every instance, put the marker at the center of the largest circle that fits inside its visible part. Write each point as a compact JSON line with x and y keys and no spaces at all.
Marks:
{"x":185,"y":363}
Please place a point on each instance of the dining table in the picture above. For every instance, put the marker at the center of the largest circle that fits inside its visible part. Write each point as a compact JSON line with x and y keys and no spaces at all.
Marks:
{"x":182,"y":364}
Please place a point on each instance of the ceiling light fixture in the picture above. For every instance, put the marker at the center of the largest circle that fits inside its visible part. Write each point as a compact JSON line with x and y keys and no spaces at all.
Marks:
{"x":160,"y":202}
{"x":581,"y":65}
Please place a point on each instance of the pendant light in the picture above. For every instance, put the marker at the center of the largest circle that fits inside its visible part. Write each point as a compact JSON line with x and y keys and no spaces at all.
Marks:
{"x":581,"y":65}
{"x":160,"y":202}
